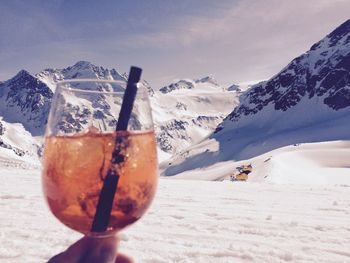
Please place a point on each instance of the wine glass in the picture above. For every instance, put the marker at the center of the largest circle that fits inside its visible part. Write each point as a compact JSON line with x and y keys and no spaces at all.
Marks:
{"x":80,"y":140}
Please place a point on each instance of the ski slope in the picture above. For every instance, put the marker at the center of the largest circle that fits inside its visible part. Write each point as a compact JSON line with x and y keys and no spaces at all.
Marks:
{"x":322,"y":163}
{"x":197,"y":221}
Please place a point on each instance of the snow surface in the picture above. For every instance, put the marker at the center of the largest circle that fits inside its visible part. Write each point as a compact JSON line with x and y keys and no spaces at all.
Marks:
{"x":17,"y":144}
{"x":269,"y":220}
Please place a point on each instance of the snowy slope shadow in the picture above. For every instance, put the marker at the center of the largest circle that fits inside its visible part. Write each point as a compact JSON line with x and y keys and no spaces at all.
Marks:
{"x":251,"y":141}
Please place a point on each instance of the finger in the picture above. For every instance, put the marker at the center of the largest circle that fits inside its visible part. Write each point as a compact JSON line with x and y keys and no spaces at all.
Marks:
{"x":57,"y":258}
{"x":102,"y":250}
{"x":89,"y":249}
{"x":123,"y":259}
{"x":72,"y":254}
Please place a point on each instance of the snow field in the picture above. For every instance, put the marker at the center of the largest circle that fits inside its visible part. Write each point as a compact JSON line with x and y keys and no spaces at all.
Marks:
{"x":193,"y":221}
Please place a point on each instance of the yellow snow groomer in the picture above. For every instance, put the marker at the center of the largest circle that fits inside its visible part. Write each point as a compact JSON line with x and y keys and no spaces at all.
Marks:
{"x":243,"y":170}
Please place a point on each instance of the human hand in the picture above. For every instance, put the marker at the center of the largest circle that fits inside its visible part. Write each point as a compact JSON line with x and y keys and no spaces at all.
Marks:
{"x":92,"y":250}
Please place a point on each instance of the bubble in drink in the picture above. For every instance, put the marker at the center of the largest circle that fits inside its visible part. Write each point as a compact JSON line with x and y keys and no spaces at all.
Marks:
{"x":74,"y":168}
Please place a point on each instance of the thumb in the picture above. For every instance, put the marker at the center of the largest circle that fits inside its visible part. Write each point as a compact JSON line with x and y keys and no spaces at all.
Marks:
{"x":89,"y":249}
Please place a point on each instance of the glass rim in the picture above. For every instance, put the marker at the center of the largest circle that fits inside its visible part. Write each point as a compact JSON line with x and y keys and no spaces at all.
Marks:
{"x":112,"y":81}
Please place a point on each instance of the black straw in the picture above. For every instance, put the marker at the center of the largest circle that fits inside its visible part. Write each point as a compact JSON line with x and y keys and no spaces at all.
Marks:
{"x":110,"y":184}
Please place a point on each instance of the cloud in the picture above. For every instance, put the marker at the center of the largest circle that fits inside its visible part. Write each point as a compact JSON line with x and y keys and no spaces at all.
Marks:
{"x":28,"y":27}
{"x":240,"y":42}
{"x":247,"y":21}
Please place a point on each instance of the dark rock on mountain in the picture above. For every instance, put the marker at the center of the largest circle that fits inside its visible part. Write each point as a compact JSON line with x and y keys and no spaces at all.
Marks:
{"x":170,"y":130}
{"x":26,"y":100}
{"x":234,"y":87}
{"x":181,"y":84}
{"x":322,"y":74}
{"x":208,"y":79}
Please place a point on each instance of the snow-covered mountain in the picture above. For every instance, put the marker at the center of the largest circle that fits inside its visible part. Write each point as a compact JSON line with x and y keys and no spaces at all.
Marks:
{"x":184,"y":111}
{"x":188,"y":110}
{"x":308,"y":101}
{"x":81,"y":69}
{"x":25,"y":99}
{"x":320,"y":76}
{"x":188,"y":84}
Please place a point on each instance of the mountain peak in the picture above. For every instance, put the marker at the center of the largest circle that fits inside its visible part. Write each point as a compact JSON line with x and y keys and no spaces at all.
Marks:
{"x":336,"y":37}
{"x":178,"y":85}
{"x":22,"y":73}
{"x":341,"y":30}
{"x":81,"y":70}
{"x":207,"y":83}
{"x":208,"y":79}
{"x":25,"y":99}
{"x":83,"y":65}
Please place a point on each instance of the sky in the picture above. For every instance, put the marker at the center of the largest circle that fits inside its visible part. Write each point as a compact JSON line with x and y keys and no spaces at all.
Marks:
{"x":233,"y":40}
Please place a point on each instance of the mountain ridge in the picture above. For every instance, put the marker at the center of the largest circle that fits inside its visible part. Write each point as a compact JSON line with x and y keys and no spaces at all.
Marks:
{"x":170,"y":109}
